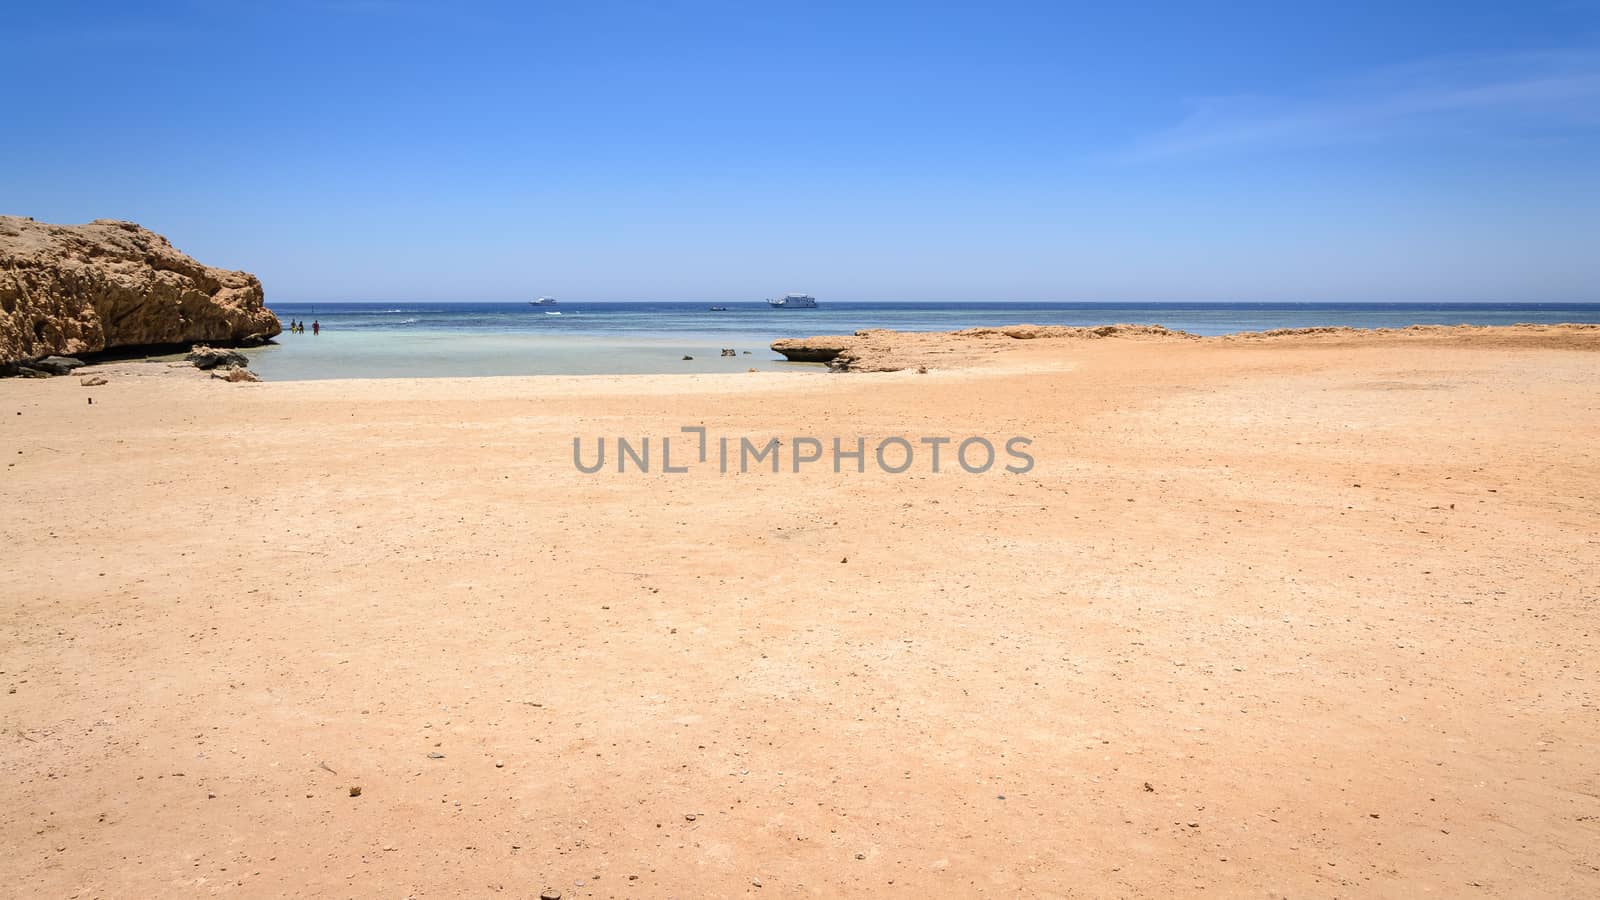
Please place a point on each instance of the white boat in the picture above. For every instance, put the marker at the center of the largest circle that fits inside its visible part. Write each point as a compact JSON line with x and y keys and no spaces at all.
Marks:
{"x":543,"y":301}
{"x":794,"y":301}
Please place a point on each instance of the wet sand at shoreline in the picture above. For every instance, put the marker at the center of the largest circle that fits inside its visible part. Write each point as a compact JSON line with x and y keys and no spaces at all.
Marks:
{"x":1313,"y":616}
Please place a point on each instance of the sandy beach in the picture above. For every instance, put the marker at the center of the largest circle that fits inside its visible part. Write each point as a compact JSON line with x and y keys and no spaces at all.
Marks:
{"x":1305,"y":616}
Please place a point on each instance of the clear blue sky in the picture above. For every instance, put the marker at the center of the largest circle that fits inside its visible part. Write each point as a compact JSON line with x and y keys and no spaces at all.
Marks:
{"x":389,"y":149}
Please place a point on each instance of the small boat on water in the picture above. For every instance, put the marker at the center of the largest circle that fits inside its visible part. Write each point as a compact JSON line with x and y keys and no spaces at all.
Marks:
{"x":794,"y":301}
{"x":543,"y":301}
{"x":719,"y":309}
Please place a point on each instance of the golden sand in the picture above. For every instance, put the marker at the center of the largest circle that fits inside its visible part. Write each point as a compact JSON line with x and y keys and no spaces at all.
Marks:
{"x":1311,"y":616}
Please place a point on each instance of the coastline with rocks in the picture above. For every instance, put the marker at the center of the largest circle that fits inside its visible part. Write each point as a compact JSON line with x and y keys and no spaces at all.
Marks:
{"x":110,"y":287}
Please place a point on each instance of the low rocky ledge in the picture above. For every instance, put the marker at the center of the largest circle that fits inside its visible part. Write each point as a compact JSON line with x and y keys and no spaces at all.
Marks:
{"x":882,"y":350}
{"x":813,"y":349}
{"x":72,"y":290}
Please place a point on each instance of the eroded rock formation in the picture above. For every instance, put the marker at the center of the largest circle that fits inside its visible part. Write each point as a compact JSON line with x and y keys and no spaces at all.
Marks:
{"x":74,"y":289}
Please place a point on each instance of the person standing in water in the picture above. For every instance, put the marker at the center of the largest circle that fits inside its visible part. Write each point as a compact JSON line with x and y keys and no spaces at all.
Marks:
{"x":316,"y":327}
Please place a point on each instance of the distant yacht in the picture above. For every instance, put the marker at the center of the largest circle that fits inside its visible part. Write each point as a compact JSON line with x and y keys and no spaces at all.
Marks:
{"x":718,"y":309}
{"x":794,"y":301}
{"x":543,"y":301}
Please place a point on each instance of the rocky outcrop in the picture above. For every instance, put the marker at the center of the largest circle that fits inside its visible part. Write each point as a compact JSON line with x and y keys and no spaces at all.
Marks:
{"x":205,"y":357}
{"x":74,"y":289}
{"x":882,"y":350}
{"x":824,"y":348}
{"x":228,"y":365}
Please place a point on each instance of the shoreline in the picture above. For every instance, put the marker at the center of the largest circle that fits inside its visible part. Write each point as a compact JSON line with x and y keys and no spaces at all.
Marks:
{"x":883,"y":350}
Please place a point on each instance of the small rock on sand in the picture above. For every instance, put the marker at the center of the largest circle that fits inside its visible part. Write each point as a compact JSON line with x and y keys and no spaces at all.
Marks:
{"x":235,"y":373}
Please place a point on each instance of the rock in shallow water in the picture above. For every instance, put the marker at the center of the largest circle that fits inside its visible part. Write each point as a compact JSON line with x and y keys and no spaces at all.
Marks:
{"x":205,"y":357}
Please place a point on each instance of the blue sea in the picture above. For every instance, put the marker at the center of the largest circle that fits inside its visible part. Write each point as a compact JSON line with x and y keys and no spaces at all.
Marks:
{"x":386,"y":340}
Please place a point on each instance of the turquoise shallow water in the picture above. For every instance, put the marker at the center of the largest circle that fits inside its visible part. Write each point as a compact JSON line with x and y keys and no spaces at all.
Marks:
{"x":379,"y":353}
{"x":388,"y":340}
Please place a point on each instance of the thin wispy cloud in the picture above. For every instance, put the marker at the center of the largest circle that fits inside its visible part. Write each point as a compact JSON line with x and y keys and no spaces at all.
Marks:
{"x":1482,"y":97}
